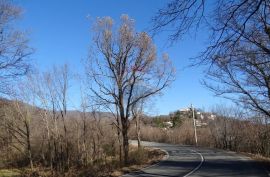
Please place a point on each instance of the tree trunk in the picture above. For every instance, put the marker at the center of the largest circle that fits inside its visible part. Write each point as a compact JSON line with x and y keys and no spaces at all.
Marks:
{"x":119,"y":140}
{"x":29,"y":149}
{"x":125,"y":144}
{"x":138,"y":131}
{"x":125,"y":125}
{"x":30,"y":158}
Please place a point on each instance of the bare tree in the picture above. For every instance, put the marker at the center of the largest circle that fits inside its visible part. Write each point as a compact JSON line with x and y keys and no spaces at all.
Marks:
{"x":51,"y":90}
{"x":240,"y":65}
{"x":62,"y":78}
{"x":127,"y":61}
{"x":17,"y":121}
{"x":238,"y":52}
{"x":41,"y":86}
{"x":137,"y":113}
{"x":14,"y":49}
{"x":84,"y":117}
{"x":179,"y":16}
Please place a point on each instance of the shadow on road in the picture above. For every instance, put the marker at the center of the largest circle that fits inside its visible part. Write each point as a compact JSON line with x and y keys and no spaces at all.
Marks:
{"x":230,"y":168}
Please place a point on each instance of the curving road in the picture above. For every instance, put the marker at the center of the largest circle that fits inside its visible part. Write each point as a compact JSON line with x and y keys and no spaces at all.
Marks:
{"x":184,"y":161}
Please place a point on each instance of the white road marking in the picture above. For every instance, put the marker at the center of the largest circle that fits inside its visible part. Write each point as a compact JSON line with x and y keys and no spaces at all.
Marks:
{"x":198,"y":167}
{"x":167,"y":157}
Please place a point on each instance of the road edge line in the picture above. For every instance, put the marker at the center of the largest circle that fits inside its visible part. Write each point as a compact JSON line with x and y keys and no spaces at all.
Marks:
{"x":198,"y":167}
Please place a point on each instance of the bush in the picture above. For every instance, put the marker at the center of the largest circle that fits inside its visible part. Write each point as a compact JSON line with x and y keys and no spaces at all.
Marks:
{"x":138,"y":156}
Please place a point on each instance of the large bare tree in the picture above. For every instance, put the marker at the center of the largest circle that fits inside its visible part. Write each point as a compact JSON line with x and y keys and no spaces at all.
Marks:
{"x":125,"y":61}
{"x":238,"y":52}
{"x":14,"y":49}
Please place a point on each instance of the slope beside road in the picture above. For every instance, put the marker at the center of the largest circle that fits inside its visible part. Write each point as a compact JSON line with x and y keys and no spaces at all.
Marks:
{"x":188,"y":161}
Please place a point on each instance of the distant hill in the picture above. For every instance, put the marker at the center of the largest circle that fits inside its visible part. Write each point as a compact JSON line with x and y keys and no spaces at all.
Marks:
{"x":70,"y":113}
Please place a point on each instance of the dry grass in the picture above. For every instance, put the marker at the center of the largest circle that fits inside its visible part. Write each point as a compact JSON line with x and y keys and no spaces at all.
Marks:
{"x":9,"y":173}
{"x":139,"y":158}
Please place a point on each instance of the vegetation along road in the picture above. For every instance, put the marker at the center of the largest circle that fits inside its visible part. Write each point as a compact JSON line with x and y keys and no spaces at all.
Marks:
{"x":191,"y":161}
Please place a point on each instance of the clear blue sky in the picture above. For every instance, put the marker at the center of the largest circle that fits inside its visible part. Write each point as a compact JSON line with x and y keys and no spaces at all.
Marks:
{"x":60,"y":32}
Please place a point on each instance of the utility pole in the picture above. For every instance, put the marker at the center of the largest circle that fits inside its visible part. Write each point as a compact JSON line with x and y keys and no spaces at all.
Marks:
{"x":194,"y":124}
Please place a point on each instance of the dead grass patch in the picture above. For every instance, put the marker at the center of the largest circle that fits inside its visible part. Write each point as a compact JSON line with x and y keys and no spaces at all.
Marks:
{"x":139,"y":158}
{"x":9,"y":173}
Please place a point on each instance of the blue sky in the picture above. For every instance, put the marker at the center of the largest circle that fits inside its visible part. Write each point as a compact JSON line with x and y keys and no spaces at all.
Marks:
{"x":60,"y":32}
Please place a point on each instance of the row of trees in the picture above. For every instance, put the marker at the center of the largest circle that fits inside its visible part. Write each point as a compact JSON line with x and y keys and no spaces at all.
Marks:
{"x":52,"y":137}
{"x":230,"y":129}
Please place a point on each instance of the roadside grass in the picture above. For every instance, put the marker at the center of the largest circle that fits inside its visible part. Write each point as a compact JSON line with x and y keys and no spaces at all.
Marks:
{"x":9,"y":173}
{"x":139,"y":158}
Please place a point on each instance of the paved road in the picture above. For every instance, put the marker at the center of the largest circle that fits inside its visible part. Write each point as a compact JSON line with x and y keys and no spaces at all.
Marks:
{"x":189,"y":161}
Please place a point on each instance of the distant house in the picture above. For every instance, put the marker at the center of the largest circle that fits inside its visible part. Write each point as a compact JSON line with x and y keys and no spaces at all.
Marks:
{"x":200,"y":123}
{"x":200,"y":115}
{"x":168,"y":124}
{"x":185,"y":110}
{"x":212,"y":117}
{"x":202,"y":118}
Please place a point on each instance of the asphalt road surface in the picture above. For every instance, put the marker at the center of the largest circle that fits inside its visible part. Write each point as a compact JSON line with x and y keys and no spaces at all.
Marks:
{"x":190,"y":161}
